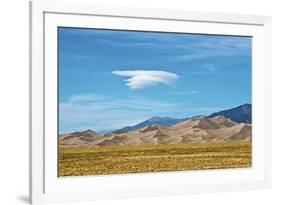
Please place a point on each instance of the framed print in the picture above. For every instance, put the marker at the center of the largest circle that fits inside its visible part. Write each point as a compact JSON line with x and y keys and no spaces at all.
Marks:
{"x":129,"y":102}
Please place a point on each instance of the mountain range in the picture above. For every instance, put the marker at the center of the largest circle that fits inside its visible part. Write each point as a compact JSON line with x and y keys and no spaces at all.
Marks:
{"x":213,"y":128}
{"x":163,"y":121}
{"x":242,"y":113}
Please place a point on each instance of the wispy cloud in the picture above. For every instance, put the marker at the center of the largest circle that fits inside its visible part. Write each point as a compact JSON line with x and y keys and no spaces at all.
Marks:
{"x":191,"y":92}
{"x":140,"y":79}
{"x":84,"y":98}
{"x":213,"y":46}
{"x":173,"y":47}
{"x":90,"y":111}
{"x":97,"y":112}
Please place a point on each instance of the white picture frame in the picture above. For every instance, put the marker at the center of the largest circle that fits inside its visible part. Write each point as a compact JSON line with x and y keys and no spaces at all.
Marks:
{"x":46,"y":187}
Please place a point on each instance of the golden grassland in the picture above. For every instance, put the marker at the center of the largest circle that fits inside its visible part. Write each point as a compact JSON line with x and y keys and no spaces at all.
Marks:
{"x":83,"y":161}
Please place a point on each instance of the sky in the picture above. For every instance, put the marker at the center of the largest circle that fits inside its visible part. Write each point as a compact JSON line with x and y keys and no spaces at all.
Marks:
{"x":110,"y":79}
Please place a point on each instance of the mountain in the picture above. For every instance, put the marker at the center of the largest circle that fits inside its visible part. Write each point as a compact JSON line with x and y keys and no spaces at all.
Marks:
{"x":242,"y":113}
{"x":199,"y":130}
{"x":163,"y":121}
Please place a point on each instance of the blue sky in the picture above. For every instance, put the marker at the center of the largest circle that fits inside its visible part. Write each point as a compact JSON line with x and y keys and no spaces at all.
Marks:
{"x":111,"y":79}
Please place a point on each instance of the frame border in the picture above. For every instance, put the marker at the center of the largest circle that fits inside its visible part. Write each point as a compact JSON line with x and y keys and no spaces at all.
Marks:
{"x":36,"y":74}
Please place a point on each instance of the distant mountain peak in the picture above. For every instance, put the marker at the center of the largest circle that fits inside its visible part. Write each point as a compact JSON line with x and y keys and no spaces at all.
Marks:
{"x":241,"y":113}
{"x":246,"y":104}
{"x":196,"y":117}
{"x":156,"y":119}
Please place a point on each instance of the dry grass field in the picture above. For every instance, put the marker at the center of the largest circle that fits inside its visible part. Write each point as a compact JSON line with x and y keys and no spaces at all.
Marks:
{"x":81,"y":161}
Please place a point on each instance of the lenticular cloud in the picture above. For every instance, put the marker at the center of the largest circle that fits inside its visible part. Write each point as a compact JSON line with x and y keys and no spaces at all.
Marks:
{"x":140,"y":79}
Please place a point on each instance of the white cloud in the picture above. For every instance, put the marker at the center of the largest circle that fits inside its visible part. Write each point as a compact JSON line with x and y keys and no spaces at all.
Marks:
{"x":87,"y":97}
{"x":140,"y":79}
{"x":191,"y":92}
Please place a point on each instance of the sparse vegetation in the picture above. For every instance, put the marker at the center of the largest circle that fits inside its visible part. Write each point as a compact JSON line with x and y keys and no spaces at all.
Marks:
{"x":81,"y":161}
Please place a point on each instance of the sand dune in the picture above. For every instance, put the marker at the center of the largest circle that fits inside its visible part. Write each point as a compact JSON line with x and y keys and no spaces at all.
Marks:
{"x":202,"y":129}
